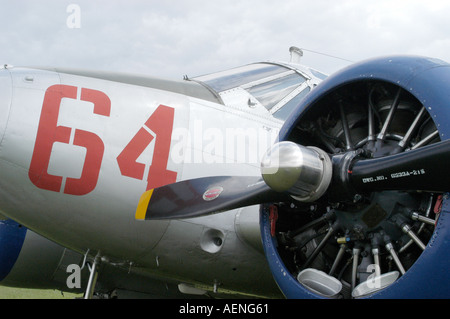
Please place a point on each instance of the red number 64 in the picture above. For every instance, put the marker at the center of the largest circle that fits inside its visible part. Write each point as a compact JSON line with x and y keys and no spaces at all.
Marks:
{"x":49,"y":133}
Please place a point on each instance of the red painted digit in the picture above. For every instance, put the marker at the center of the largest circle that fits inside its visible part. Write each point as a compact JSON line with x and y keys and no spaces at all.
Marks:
{"x":127,"y":158}
{"x":49,"y":133}
{"x":161,"y":123}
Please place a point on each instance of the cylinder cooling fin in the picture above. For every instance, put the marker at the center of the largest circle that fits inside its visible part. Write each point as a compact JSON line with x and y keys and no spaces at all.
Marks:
{"x":380,"y":227}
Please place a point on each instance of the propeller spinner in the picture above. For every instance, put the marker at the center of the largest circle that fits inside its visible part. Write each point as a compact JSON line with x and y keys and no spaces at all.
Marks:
{"x":303,"y":172}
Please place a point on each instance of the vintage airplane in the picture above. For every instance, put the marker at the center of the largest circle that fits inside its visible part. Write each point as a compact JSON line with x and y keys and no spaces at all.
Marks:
{"x":259,"y":181}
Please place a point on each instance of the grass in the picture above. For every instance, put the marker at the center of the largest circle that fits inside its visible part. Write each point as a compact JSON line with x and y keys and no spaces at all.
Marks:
{"x":23,"y":293}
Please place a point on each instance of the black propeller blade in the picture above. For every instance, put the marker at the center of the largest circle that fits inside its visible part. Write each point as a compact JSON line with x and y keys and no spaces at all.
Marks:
{"x":426,"y":168}
{"x":204,"y":196}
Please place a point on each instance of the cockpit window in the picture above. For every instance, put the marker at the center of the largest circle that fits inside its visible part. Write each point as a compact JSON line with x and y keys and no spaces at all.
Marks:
{"x":284,"y":112}
{"x":229,"y":79}
{"x":275,"y":87}
{"x":272,"y":92}
{"x":318,"y":74}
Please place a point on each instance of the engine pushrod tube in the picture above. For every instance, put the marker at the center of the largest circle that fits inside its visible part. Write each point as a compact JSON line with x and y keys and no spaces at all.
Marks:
{"x":423,"y":219}
{"x":356,"y":252}
{"x":390,"y":116}
{"x":407,"y":230}
{"x":338,"y":259}
{"x":376,"y":258}
{"x":411,"y":129}
{"x":394,"y":256}
{"x":319,"y":247}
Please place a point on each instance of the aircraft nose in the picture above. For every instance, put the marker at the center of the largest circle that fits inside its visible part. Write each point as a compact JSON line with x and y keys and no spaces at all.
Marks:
{"x":5,"y":98}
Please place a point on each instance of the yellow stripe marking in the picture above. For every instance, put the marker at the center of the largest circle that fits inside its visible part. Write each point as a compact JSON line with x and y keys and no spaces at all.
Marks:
{"x":141,"y":210}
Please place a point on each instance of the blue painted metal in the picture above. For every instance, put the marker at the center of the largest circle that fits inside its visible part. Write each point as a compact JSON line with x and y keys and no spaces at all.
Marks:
{"x":12,"y":236}
{"x":429,"y":81}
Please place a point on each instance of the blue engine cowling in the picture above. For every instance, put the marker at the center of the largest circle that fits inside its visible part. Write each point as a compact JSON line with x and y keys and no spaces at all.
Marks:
{"x":428,"y":82}
{"x":12,"y":236}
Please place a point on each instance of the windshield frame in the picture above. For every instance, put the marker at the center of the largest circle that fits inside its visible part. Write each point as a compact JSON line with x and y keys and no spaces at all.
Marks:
{"x":250,"y":76}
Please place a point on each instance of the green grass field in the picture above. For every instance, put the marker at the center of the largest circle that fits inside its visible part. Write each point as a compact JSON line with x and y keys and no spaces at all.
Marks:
{"x":22,"y":293}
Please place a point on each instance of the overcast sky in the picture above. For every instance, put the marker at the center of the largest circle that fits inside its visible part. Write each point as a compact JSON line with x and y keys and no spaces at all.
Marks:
{"x":170,"y":38}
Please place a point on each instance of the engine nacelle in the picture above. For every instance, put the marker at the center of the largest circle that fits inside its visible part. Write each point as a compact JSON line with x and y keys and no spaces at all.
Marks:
{"x":355,"y":243}
{"x":29,"y":260}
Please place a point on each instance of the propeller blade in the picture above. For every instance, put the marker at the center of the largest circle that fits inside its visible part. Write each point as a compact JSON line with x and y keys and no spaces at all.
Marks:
{"x":426,"y":168}
{"x":204,"y":196}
